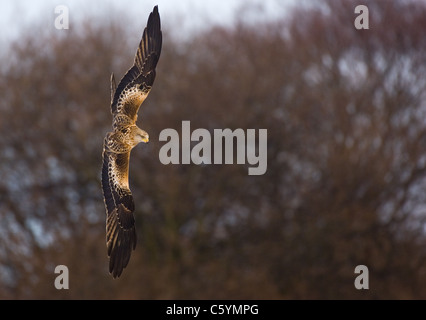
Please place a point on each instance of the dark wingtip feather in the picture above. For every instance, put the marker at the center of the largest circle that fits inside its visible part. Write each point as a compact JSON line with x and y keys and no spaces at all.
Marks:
{"x":147,"y":55}
{"x":149,"y":49}
{"x":121,"y":240}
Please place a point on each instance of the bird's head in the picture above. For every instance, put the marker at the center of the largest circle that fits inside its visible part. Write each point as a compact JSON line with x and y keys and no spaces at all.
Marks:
{"x":141,"y":136}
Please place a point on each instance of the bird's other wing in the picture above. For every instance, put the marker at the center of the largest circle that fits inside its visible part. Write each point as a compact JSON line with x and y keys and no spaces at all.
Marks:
{"x":137,"y":82}
{"x":120,"y":226}
{"x":113,"y":87}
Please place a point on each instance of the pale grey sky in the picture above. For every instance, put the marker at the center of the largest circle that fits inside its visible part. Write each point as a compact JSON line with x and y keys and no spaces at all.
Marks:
{"x":15,"y":14}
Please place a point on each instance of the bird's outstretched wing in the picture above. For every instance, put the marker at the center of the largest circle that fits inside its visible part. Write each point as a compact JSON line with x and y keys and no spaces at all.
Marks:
{"x":126,"y":99}
{"x":120,"y":224}
{"x":137,"y":82}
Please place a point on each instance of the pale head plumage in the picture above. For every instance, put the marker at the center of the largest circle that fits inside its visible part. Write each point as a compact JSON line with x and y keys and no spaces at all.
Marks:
{"x":137,"y":135}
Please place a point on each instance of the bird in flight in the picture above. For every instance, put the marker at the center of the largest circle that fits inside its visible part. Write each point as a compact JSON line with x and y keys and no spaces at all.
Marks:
{"x":126,"y":99}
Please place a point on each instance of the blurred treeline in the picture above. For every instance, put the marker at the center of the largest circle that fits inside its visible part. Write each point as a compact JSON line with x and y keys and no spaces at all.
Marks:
{"x":345,"y":112}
